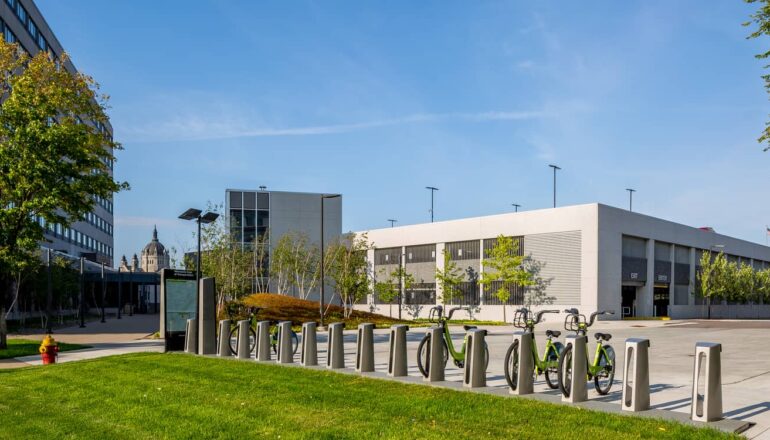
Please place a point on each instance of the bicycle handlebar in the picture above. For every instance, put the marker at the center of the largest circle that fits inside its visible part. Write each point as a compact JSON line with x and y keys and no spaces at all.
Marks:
{"x":453,"y":310}
{"x":574,"y":319}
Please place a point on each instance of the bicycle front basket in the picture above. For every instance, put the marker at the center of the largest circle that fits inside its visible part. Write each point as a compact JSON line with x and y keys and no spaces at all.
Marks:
{"x":520,"y":319}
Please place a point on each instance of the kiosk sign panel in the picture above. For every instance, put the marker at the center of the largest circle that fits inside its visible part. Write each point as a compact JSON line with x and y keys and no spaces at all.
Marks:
{"x":179,"y":303}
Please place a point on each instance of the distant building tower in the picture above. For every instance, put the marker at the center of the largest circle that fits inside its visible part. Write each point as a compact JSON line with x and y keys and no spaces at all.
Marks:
{"x":154,"y":256}
{"x":124,"y":264}
{"x":135,"y":264}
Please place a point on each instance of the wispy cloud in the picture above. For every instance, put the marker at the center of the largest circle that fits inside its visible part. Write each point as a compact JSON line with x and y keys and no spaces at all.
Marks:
{"x":198,"y":128}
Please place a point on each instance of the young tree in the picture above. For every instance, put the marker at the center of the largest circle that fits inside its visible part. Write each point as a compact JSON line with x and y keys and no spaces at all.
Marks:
{"x":505,"y":264}
{"x":55,"y":155}
{"x":449,"y":278}
{"x":349,"y":269}
{"x":386,"y":290}
{"x":261,"y":262}
{"x":761,"y":18}
{"x":282,"y":264}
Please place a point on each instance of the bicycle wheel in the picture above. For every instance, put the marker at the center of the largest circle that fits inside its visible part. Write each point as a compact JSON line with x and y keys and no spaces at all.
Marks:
{"x":422,"y":355}
{"x":565,"y":371}
{"x":512,"y":365}
{"x":274,"y":339}
{"x":294,"y":342}
{"x":234,"y":340}
{"x":604,"y":377}
{"x":552,"y":369}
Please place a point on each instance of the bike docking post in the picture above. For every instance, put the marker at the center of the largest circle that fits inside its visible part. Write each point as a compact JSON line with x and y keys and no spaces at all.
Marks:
{"x":525,"y":383}
{"x":191,"y":337}
{"x":335,"y":347}
{"x":578,"y":390}
{"x":263,"y":341}
{"x":707,"y":387}
{"x":475,"y":374}
{"x":243,"y":339}
{"x":309,"y":355}
{"x":397,"y":363}
{"x":435,"y":361}
{"x":285,"y":352}
{"x":636,"y":375}
{"x":365,"y":348}
{"x":223,"y":348}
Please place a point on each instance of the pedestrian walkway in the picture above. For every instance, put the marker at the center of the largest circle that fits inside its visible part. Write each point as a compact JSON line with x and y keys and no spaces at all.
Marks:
{"x":130,"y":334}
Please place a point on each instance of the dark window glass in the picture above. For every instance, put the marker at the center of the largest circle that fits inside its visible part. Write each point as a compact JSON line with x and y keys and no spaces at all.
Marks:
{"x":249,"y":219}
{"x":263,"y":219}
{"x":463,"y":250}
{"x":249,"y":235}
{"x":235,"y":218}
{"x":249,"y":200}
{"x":235,"y":199}
{"x":263,"y":200}
{"x":421,"y":254}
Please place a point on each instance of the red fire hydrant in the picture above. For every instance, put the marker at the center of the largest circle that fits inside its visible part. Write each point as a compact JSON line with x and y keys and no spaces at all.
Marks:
{"x":49,"y":349}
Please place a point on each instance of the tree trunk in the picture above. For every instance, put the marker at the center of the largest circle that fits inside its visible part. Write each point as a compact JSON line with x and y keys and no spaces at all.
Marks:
{"x":3,"y":330}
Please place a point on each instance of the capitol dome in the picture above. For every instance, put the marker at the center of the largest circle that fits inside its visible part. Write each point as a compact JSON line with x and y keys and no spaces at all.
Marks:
{"x":154,"y":255}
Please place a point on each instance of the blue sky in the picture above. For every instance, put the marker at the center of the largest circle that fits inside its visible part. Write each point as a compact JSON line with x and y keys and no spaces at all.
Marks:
{"x":378,"y":101}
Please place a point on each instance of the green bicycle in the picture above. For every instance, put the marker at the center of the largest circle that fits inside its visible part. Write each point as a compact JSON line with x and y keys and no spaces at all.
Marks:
{"x":548,"y":365}
{"x":436,"y":314}
{"x":602,"y":369}
{"x":253,"y":311}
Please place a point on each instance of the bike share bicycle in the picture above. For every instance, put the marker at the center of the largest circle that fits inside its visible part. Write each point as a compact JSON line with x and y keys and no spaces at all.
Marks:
{"x":602,"y":369}
{"x":253,"y":311}
{"x":548,"y":365}
{"x":436,"y":314}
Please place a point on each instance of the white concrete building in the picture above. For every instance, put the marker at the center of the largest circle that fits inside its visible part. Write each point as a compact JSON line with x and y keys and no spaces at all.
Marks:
{"x":593,"y":257}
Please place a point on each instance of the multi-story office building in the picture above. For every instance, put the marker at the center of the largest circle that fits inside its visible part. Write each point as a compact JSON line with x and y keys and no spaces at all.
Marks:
{"x":593,"y":257}
{"x":253,"y":213}
{"x":92,"y":236}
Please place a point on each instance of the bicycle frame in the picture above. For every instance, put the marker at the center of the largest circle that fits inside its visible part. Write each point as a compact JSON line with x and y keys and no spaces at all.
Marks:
{"x":542,"y":364}
{"x":593,"y":368}
{"x":457,"y":355}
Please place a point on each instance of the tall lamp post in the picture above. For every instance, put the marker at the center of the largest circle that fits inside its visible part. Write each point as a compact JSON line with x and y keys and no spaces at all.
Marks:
{"x":120,"y":290}
{"x":131,"y":289}
{"x":208,"y":217}
{"x":104,"y":292}
{"x":432,"y":190}
{"x":81,"y":298}
{"x":631,"y":192}
{"x":49,"y":293}
{"x":555,"y":168}
{"x":392,"y":221}
{"x":515,"y":207}
{"x":323,"y":272}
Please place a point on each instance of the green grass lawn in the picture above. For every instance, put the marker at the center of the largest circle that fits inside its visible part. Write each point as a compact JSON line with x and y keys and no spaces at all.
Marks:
{"x":180,"y":396}
{"x":27,"y":347}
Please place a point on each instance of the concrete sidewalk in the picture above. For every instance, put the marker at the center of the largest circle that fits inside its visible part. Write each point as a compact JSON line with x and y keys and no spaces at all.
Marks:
{"x":116,"y":336}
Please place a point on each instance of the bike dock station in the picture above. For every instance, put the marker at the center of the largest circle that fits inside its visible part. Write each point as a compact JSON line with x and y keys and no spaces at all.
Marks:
{"x":475,"y":374}
{"x":285,"y":352}
{"x":435,"y":359}
{"x":707,"y":383}
{"x":191,"y":337}
{"x":397,"y":353}
{"x":636,"y":376}
{"x":223,"y":347}
{"x":309,"y":355}
{"x":365,"y":348}
{"x":335,"y":351}
{"x":243,"y":350}
{"x":578,"y":392}
{"x":263,"y":341}
{"x":524,"y":381}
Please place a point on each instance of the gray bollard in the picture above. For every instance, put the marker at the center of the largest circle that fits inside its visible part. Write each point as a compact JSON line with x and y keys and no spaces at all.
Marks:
{"x":522,"y":375}
{"x":285,"y":352}
{"x":223,"y":348}
{"x":244,"y":351}
{"x":207,"y":319}
{"x":578,"y":391}
{"x":335,"y":346}
{"x":263,"y":341}
{"x":365,"y":348}
{"x":707,"y":404}
{"x":435,"y":361}
{"x":475,"y":374}
{"x":191,"y":337}
{"x":309,"y":356}
{"x":636,"y":375}
{"x":397,"y":363}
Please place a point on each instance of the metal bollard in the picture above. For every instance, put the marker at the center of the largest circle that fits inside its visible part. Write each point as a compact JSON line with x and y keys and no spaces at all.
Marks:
{"x":522,"y":378}
{"x":636,"y":375}
{"x":365,"y":348}
{"x":244,"y":351}
{"x":335,"y":346}
{"x":397,"y":363}
{"x":223,"y":348}
{"x":578,"y":391}
{"x":191,"y":337}
{"x":475,"y":374}
{"x":309,"y":356}
{"x":285,"y":352}
{"x":707,"y":405}
{"x":435,"y":361}
{"x":263,"y":341}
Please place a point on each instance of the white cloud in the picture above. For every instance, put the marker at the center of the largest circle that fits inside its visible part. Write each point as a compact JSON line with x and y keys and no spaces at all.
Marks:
{"x":202,"y":128}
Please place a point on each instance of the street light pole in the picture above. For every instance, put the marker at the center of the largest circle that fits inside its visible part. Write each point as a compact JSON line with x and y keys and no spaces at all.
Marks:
{"x":82,"y":294}
{"x":432,"y":189}
{"x":131,"y":290}
{"x":104,"y":292}
{"x":631,"y":192}
{"x":400,"y":282}
{"x":392,"y":221}
{"x":554,"y":183}
{"x":49,"y":294}
{"x":208,"y":217}
{"x":323,"y":257}
{"x":515,"y":207}
{"x":120,"y":290}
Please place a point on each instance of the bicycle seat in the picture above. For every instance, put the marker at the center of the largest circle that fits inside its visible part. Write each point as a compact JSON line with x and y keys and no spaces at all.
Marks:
{"x":469,"y":327}
{"x":552,"y":333}
{"x":604,"y":336}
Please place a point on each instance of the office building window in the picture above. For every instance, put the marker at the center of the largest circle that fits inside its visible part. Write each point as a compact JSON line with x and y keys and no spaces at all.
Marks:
{"x":236,"y":199}
{"x":249,"y":200}
{"x":263,"y":200}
